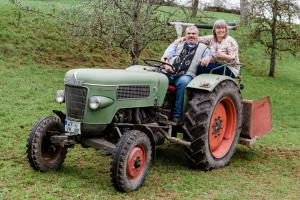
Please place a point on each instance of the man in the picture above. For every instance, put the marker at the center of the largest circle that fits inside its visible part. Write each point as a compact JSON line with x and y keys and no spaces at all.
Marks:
{"x":185,"y":56}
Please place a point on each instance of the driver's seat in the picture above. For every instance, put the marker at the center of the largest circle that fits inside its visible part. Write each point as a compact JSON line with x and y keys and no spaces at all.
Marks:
{"x":172,"y":88}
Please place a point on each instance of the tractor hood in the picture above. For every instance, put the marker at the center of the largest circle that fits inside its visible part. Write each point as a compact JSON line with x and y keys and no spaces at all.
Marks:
{"x":130,"y":88}
{"x":113,"y":77}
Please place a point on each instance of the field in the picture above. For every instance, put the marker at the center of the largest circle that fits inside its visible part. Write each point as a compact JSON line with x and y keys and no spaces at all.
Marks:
{"x":34,"y":56}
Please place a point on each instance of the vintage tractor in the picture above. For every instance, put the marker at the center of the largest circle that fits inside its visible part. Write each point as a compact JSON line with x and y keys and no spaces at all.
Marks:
{"x":126,"y":113}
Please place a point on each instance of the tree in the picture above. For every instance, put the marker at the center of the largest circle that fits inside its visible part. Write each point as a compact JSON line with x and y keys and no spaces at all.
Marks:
{"x":195,"y":4}
{"x":131,"y":25}
{"x":272,"y":27}
{"x":244,"y":12}
{"x":220,"y":3}
{"x":128,"y":24}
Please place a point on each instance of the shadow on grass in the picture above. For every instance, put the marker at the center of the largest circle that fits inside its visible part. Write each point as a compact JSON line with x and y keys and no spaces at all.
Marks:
{"x":245,"y":154}
{"x":171,"y":155}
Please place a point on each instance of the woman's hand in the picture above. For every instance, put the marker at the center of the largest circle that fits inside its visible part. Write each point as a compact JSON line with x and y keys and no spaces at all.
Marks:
{"x":221,"y":54}
{"x":205,"y":61}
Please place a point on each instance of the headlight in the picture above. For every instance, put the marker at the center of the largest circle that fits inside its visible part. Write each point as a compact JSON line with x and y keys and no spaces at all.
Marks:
{"x":94,"y":102}
{"x":60,"y":96}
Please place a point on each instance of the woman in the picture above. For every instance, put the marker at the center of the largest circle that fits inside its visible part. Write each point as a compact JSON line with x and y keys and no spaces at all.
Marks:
{"x":224,"y":50}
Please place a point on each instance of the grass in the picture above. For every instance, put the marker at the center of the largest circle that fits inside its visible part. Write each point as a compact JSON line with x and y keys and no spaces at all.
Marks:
{"x":30,"y":76}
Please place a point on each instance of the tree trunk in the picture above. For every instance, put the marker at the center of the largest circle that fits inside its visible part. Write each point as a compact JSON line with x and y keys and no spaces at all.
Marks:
{"x":134,"y":52}
{"x":194,"y":8}
{"x":274,"y":39}
{"x":244,"y":12}
{"x":134,"y":57}
{"x":272,"y":63}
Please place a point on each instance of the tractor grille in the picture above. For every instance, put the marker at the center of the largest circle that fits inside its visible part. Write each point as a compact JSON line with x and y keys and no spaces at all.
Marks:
{"x":75,"y":101}
{"x":133,"y":92}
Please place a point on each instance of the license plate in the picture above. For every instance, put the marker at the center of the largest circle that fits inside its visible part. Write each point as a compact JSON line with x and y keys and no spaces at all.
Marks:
{"x":72,"y":127}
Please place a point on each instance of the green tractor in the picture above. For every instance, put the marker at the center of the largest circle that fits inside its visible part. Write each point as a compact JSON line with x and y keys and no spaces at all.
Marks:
{"x":126,"y":113}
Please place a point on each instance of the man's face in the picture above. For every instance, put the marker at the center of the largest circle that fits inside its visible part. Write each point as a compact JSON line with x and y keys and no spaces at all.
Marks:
{"x":191,"y":36}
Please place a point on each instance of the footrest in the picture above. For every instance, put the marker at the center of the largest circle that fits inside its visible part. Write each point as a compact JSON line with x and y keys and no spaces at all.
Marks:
{"x":100,"y":144}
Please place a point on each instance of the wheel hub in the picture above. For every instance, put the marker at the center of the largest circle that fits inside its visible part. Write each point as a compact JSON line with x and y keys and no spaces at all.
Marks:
{"x":49,"y":151}
{"x":217,"y":126}
{"x":136,"y":162}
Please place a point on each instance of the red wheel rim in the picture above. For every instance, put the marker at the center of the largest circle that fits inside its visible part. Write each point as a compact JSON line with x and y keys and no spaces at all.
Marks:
{"x":222,"y":127}
{"x":136,"y":162}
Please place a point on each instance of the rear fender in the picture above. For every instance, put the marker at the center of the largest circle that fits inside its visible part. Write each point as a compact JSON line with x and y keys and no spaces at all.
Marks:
{"x":208,"y":82}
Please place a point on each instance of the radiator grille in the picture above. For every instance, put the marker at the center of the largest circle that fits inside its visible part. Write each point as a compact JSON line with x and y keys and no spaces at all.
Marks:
{"x":75,"y":101}
{"x":133,"y":91}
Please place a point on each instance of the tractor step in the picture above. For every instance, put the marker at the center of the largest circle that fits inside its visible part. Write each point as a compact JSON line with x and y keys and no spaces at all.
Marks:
{"x":246,"y":141}
{"x":101,"y":144}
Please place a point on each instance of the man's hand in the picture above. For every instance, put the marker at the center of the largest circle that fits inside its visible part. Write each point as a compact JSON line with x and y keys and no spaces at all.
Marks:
{"x":169,"y":69}
{"x":205,"y":61}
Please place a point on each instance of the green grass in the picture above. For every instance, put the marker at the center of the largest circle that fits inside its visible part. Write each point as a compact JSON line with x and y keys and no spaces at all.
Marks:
{"x":30,"y":76}
{"x":28,"y":37}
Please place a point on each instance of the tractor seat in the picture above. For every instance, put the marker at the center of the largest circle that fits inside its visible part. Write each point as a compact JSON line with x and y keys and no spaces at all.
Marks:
{"x":172,"y":88}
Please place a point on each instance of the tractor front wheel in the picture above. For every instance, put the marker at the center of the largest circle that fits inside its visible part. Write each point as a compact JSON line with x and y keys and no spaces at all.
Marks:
{"x":131,"y":161}
{"x":41,"y":153}
{"x":213,"y":124}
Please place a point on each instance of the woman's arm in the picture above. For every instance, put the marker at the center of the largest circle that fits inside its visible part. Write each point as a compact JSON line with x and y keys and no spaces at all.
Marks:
{"x":232,"y":51}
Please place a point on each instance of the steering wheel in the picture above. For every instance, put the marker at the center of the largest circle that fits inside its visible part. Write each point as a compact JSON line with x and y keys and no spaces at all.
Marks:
{"x":157,"y":63}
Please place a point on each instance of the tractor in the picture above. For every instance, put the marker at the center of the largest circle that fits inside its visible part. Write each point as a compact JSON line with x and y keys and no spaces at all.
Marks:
{"x":126,"y":114}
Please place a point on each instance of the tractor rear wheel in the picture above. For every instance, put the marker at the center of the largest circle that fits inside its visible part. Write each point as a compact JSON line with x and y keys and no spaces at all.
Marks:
{"x":41,"y":153}
{"x":131,"y":161}
{"x":213,"y":124}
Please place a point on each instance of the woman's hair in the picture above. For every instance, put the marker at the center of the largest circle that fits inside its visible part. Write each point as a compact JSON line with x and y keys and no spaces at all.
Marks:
{"x":219,"y":24}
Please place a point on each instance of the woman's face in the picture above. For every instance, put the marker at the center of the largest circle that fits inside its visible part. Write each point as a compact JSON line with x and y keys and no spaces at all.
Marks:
{"x":221,"y":31}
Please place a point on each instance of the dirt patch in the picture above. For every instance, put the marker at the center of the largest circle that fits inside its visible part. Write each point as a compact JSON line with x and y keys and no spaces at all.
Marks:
{"x":273,"y":151}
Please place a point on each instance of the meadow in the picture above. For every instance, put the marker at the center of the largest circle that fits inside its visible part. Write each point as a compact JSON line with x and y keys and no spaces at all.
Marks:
{"x":34,"y":56}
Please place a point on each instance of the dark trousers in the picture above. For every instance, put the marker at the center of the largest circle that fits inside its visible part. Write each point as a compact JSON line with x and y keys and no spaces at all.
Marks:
{"x":211,"y":66}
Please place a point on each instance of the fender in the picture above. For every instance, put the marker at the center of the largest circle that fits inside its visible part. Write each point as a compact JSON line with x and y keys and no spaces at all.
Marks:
{"x":208,"y":82}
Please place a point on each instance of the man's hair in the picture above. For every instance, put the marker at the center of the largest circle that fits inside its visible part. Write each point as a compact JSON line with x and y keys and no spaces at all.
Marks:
{"x":193,"y":27}
{"x":219,"y":24}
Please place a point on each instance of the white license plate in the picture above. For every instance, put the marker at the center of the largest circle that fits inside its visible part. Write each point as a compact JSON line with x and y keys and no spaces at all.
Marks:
{"x":72,"y":127}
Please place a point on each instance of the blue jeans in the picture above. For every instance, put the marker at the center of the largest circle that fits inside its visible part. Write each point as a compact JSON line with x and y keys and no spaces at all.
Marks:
{"x":180,"y":83}
{"x":202,"y":70}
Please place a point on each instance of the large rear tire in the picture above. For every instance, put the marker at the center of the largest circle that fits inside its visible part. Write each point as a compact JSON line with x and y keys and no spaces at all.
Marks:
{"x":41,"y":153}
{"x":131,"y":161}
{"x":213,"y":124}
